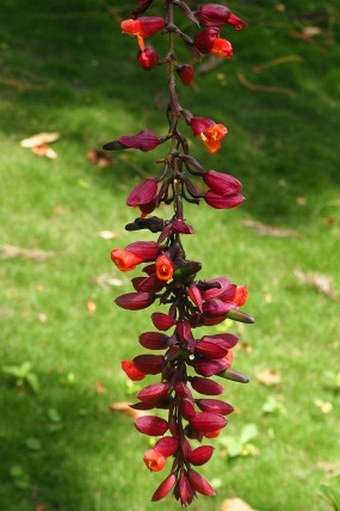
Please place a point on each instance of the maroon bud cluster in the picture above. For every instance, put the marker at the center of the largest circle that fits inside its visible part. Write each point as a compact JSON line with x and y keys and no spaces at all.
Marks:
{"x":184,"y":361}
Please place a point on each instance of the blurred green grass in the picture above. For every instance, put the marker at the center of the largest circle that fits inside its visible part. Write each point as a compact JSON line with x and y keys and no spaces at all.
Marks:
{"x":85,"y":84}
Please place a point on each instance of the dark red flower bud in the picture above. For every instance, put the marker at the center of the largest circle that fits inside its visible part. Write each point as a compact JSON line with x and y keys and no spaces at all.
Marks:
{"x":211,"y":349}
{"x":145,"y":140}
{"x":153,"y":340}
{"x":195,"y":296}
{"x":182,"y":390}
{"x":236,"y":22}
{"x":217,"y":308}
{"x":183,"y":490}
{"x":153,"y":391}
{"x":210,"y":367}
{"x":135,"y":301}
{"x":200,"y":484}
{"x":222,"y":342}
{"x":216,"y":15}
{"x":147,"y":58}
{"x":179,"y":226}
{"x":150,"y":425}
{"x":149,"y":364}
{"x":222,"y":184}
{"x":187,"y":409}
{"x":215,"y":406}
{"x":183,"y":330}
{"x":223,"y":202}
{"x":147,"y":250}
{"x":204,"y":386}
{"x":200,"y":125}
{"x":164,"y":488}
{"x":167,"y":446}
{"x":218,"y":286}
{"x":205,"y":39}
{"x":186,"y":73}
{"x":149,"y":284}
{"x":162,"y":321}
{"x":143,"y":194}
{"x":151,"y":25}
{"x":200,"y":455}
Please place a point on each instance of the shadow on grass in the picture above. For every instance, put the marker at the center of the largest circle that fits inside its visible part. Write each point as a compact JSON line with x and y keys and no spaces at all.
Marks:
{"x":71,"y":426}
{"x":84,"y":81}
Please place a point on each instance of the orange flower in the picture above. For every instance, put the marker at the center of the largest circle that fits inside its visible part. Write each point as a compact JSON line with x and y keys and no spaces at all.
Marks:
{"x":212,"y":136}
{"x":154,"y":460}
{"x":241,"y":296}
{"x":212,"y":434}
{"x":221,"y":48}
{"x":125,"y":260}
{"x":132,"y":371}
{"x":164,"y":268}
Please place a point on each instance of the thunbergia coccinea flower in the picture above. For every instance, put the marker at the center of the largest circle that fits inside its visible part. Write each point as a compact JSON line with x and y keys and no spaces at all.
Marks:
{"x":183,"y":364}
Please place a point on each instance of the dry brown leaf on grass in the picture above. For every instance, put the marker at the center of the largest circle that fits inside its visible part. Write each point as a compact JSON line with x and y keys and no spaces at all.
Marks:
{"x":99,"y":388}
{"x":268,"y":377}
{"x":11,"y":251}
{"x":39,"y":144}
{"x":91,"y":307}
{"x":99,"y":158}
{"x":105,"y":280}
{"x":106,"y":235}
{"x":124,"y":408}
{"x":235,"y":504}
{"x":269,"y":230}
{"x":320,"y":282}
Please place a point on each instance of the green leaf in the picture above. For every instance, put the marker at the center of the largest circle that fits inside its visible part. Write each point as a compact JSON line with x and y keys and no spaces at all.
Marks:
{"x":232,"y":444}
{"x":19,"y":477}
{"x":33,"y":382}
{"x":53,"y":415}
{"x":332,"y":495}
{"x":272,"y":405}
{"x":249,"y":431}
{"x":33,"y":444}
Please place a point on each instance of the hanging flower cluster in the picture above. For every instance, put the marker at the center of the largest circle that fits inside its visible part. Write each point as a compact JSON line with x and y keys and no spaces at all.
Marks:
{"x":186,"y":361}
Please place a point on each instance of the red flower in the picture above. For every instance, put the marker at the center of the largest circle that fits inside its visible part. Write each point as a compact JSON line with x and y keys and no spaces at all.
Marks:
{"x":162,"y":321}
{"x":200,"y":455}
{"x":164,"y":268}
{"x":132,"y":371}
{"x":209,"y":132}
{"x":147,"y":57}
{"x":154,"y":460}
{"x":222,"y":184}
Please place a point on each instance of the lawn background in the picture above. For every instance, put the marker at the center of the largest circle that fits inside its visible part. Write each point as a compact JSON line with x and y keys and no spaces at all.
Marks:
{"x":84,"y":83}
